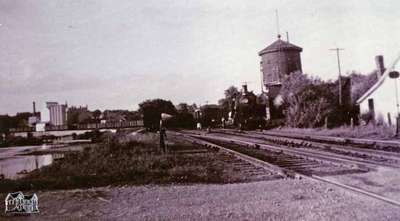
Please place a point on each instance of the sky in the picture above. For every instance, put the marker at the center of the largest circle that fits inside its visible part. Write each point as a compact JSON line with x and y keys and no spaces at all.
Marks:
{"x":114,"y":54}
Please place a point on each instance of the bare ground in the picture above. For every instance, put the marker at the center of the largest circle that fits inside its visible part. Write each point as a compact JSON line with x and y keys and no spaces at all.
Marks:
{"x":265,"y":200}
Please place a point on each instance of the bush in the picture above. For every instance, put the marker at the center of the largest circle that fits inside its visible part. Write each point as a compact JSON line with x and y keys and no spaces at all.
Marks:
{"x":151,"y":111}
{"x":308,"y":102}
{"x":182,"y":120}
{"x":367,"y":117}
{"x":310,"y":106}
{"x":361,"y":83}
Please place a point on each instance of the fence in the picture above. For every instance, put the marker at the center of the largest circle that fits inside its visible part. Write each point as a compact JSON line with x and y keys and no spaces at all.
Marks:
{"x":109,"y":125}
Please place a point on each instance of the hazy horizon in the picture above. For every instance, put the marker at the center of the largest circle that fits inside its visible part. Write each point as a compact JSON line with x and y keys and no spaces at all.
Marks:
{"x":113,"y":55}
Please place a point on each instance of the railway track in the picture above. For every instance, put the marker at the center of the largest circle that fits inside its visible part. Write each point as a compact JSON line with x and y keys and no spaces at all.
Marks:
{"x":385,"y":145}
{"x":361,"y":155}
{"x":244,"y":170}
{"x":286,"y":163}
{"x":387,"y":148}
{"x":305,"y":153}
{"x":296,"y":160}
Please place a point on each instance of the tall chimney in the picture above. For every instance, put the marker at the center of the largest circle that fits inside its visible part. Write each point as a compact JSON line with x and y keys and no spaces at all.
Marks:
{"x":245,"y":88}
{"x":34,"y":108}
{"x":287,"y":37}
{"x":380,"y":66}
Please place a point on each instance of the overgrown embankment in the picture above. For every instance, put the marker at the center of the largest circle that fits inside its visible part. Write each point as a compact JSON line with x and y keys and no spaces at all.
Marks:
{"x":127,"y":159}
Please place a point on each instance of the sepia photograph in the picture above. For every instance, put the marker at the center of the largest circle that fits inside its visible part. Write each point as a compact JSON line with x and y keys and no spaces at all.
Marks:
{"x":199,"y":110}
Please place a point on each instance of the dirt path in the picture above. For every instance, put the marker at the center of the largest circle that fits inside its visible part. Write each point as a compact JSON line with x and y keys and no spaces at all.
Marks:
{"x":266,"y":200}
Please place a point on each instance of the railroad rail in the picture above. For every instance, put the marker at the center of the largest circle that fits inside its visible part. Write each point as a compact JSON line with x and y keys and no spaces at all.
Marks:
{"x":275,"y":167}
{"x":363,"y":155}
{"x":387,"y":145}
{"x":252,"y":171}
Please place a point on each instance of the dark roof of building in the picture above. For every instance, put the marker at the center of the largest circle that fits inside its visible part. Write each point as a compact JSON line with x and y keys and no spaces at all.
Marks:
{"x":280,"y":45}
{"x":29,"y":197}
{"x":15,"y":194}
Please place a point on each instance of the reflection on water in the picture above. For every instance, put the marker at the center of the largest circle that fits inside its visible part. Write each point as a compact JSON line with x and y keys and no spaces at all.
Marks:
{"x":13,"y":166}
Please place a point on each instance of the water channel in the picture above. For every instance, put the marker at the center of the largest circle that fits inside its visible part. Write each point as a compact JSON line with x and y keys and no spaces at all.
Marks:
{"x":16,"y":161}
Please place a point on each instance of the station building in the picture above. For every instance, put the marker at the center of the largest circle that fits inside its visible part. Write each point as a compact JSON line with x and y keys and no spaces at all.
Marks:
{"x":381,"y":101}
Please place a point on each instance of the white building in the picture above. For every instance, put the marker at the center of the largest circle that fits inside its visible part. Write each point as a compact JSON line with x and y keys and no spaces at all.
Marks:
{"x":381,"y":99}
{"x":33,"y":120}
{"x":40,"y":127}
{"x":58,"y":113}
{"x":19,"y":203}
{"x":13,"y":200}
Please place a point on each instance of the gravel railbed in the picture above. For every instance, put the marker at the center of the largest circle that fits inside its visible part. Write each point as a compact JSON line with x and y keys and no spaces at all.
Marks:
{"x":265,"y":200}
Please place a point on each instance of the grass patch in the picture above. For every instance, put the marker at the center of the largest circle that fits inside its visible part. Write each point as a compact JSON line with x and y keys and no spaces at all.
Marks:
{"x":369,"y":131}
{"x":126,"y":159}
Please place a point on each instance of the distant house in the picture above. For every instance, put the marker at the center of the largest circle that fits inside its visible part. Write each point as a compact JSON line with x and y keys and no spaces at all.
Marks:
{"x":30,"y":203}
{"x":79,"y":115}
{"x":18,"y":203}
{"x":14,"y":202}
{"x":40,"y":126}
{"x":114,"y":116}
{"x":33,"y":120}
{"x":380,"y":101}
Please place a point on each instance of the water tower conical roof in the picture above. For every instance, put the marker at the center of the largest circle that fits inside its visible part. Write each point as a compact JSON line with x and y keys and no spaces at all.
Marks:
{"x":280,"y":45}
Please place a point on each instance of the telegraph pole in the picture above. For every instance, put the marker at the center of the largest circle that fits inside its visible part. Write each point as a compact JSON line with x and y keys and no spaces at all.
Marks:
{"x":340,"y":74}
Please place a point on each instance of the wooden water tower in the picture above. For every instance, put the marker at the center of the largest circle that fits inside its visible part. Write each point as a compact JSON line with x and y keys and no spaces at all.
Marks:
{"x":278,"y":60}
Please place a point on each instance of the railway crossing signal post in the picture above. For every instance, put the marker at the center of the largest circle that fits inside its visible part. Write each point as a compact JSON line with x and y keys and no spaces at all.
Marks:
{"x":163,"y":132}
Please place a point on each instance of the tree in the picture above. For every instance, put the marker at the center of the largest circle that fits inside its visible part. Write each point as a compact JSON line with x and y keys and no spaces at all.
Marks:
{"x":361,"y":83}
{"x":294,"y":83}
{"x":96,"y":114}
{"x":310,"y":106}
{"x":4,"y":123}
{"x":182,"y":108}
{"x":226,"y":103}
{"x":184,"y":118}
{"x":152,"y":109}
{"x":231,"y":92}
{"x":192,"y":108}
{"x":307,"y":102}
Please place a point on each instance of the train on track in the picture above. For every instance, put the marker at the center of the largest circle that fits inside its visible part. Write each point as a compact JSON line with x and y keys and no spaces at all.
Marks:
{"x":245,"y":111}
